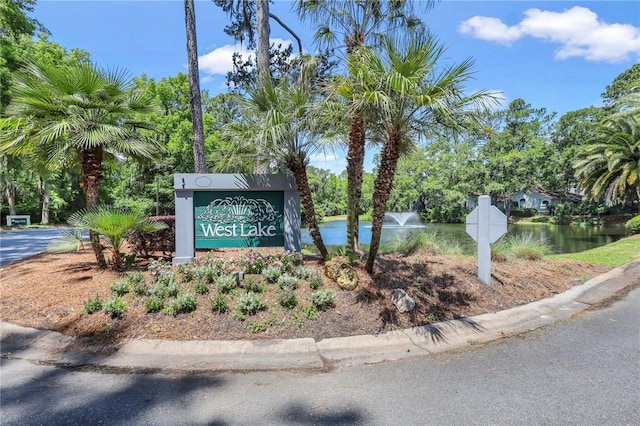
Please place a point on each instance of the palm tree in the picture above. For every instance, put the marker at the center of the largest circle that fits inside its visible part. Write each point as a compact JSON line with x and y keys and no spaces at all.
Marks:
{"x":609,"y":164}
{"x":116,"y":225}
{"x":283,"y":123}
{"x":357,"y":23}
{"x":82,"y":114}
{"x":405,"y":95}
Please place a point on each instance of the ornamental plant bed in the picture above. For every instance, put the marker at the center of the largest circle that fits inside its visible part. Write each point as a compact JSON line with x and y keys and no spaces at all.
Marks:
{"x":51,"y":291}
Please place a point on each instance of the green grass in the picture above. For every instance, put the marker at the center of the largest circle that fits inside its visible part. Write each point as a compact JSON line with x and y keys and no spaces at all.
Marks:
{"x":615,"y":254}
{"x":339,"y":217}
{"x":520,"y":246}
{"x":334,"y":218}
{"x":428,"y":240}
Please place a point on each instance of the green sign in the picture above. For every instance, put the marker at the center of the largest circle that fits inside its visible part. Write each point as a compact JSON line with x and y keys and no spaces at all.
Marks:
{"x":238,"y":219}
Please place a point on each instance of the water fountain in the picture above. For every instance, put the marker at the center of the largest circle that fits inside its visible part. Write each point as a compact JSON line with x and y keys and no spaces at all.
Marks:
{"x":403,"y":219}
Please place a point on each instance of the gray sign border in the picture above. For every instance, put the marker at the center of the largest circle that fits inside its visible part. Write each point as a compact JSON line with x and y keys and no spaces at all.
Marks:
{"x":185,"y":184}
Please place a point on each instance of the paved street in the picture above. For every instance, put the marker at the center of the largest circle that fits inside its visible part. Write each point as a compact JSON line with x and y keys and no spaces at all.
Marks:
{"x":20,"y":243}
{"x":582,"y":371}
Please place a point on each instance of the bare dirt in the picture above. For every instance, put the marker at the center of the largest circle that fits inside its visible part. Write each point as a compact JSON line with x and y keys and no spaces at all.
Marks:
{"x":49,"y":291}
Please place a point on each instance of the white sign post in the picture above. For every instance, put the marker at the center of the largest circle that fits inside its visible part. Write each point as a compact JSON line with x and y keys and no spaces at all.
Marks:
{"x":485,"y":224}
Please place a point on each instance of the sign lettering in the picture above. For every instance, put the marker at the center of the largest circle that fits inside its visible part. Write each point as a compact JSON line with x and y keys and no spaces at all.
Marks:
{"x":239,"y":219}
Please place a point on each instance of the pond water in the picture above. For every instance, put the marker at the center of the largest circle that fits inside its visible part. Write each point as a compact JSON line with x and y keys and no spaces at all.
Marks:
{"x":562,"y":238}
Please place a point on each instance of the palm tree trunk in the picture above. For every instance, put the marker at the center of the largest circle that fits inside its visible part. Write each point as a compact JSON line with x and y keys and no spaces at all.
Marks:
{"x":297,"y":166}
{"x":382,"y":190}
{"x":355,"y":164}
{"x":91,"y":173}
{"x":194,"y":86}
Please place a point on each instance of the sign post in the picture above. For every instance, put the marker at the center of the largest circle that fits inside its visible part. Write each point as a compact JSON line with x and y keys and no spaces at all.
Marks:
{"x":485,"y":224}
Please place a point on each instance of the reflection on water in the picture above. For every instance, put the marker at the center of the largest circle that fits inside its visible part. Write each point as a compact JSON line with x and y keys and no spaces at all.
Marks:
{"x":562,"y":238}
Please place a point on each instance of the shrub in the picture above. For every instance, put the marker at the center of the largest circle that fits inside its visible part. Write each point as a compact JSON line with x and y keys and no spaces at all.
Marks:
{"x":287,"y":299}
{"x":323,"y":299}
{"x":219,"y":266}
{"x":153,"y":304}
{"x":140,"y":289}
{"x":226,"y":283}
{"x":290,"y":259}
{"x":527,"y":212}
{"x":310,"y":312}
{"x":115,"y":307}
{"x":163,"y":290}
{"x":254,"y":286}
{"x":145,"y":243}
{"x":633,"y":225}
{"x":541,"y":219}
{"x":184,"y":302}
{"x":252,"y":262}
{"x":260,"y":326}
{"x":115,"y":225}
{"x":137,"y":284}
{"x":201,"y":288}
{"x":272,"y":273}
{"x":250,"y":303}
{"x":287,"y":282}
{"x":92,"y":306}
{"x":206,"y":273}
{"x":120,"y":288}
{"x":304,"y":272}
{"x":315,"y":282}
{"x":188,"y":271}
{"x":219,"y":304}
{"x":158,"y":267}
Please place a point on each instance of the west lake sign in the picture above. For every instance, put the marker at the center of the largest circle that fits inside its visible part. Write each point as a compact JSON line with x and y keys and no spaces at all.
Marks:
{"x":235,"y":210}
{"x":233,"y":219}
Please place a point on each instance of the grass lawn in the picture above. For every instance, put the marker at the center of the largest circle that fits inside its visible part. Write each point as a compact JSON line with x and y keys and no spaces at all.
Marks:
{"x":341,"y":217}
{"x":615,"y":254}
{"x":334,"y":218}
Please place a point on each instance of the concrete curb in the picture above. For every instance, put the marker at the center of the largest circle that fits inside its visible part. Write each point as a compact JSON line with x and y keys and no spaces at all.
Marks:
{"x":149,"y":354}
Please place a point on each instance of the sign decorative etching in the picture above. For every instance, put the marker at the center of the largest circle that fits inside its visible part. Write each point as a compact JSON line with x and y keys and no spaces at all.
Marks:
{"x":224,"y":219}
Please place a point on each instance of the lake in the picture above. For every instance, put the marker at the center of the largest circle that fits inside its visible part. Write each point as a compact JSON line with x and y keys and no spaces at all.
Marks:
{"x":562,"y":238}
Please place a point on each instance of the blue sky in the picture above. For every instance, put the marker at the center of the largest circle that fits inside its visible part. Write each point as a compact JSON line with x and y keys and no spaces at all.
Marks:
{"x":553,"y":54}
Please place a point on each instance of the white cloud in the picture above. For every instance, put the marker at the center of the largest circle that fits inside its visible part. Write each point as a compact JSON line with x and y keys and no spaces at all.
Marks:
{"x":220,"y":60}
{"x":577,"y":31}
{"x":491,"y":29}
{"x":329,"y":161}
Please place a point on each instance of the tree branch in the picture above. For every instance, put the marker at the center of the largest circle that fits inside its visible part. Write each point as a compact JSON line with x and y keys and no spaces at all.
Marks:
{"x":289,"y":30}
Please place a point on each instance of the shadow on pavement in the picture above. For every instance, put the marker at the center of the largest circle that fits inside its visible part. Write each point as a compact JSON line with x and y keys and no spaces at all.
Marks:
{"x":299,"y":413}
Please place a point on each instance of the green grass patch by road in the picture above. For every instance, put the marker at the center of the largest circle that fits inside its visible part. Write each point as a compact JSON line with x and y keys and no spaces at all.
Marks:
{"x":615,"y":254}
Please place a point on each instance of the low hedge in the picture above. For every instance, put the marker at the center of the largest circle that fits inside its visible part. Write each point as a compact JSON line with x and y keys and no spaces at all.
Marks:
{"x":526,"y":212}
{"x":633,"y":225}
{"x":146,"y":244}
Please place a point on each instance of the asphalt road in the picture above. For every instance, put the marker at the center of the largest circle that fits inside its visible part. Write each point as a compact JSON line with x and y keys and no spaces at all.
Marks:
{"x":584,"y":371}
{"x":17,"y":244}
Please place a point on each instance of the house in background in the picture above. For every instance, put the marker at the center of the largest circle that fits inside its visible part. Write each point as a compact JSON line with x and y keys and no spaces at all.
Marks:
{"x":540,"y":200}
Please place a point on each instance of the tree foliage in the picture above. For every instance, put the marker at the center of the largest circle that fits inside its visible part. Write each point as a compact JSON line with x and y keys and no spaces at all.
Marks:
{"x":609,"y":165}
